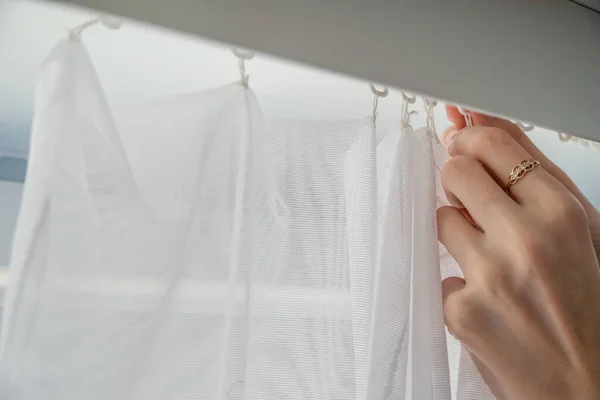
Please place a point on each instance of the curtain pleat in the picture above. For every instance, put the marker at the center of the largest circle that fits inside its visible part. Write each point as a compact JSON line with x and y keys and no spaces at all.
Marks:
{"x":191,"y":247}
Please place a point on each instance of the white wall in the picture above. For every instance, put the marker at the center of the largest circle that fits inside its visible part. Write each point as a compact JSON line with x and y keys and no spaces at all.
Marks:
{"x":10,"y":199}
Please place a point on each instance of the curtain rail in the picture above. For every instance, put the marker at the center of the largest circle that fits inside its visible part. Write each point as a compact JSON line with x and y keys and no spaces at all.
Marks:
{"x":201,"y":297}
{"x":533,"y":61}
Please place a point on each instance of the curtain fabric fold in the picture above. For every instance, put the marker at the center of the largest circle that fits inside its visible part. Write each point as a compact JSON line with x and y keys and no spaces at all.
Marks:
{"x":191,"y":247}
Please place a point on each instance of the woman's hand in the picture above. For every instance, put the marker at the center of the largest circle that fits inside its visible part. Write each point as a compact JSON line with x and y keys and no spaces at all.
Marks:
{"x":528,"y":307}
{"x":458,"y":122}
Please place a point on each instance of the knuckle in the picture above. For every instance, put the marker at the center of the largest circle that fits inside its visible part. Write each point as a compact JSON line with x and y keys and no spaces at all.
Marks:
{"x":499,"y":284}
{"x":444,"y":223}
{"x":456,"y":167}
{"x":567,"y":210}
{"x":490,"y":139}
{"x":445,"y":213}
{"x":461,"y":315}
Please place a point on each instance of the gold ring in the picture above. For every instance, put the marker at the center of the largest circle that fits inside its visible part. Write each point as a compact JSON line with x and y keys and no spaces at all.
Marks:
{"x":520,"y":170}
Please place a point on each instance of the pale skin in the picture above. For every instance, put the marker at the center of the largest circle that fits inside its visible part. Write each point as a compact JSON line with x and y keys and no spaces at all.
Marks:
{"x":528,"y":309}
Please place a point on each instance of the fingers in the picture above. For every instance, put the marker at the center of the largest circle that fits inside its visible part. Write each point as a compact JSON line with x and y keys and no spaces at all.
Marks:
{"x":452,"y":295}
{"x":457,"y":234}
{"x":466,"y":179}
{"x":448,"y":135}
{"x":458,"y":119}
{"x":536,"y":153}
{"x":524,"y":141}
{"x":499,"y":152}
{"x":451,"y":288}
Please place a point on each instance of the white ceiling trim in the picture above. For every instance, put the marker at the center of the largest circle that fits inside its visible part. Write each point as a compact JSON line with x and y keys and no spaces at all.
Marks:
{"x":533,"y":61}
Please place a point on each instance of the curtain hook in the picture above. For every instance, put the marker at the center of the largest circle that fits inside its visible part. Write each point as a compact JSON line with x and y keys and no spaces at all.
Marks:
{"x":377,"y":94}
{"x":469,"y":120}
{"x":565,"y":137}
{"x":525,"y":127}
{"x":430,"y":105}
{"x":106,"y":21}
{"x":467,"y":115}
{"x":407,"y":100}
{"x":243,"y":56}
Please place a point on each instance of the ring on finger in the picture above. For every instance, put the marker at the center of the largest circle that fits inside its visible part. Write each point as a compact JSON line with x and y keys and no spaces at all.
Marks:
{"x":519,"y":171}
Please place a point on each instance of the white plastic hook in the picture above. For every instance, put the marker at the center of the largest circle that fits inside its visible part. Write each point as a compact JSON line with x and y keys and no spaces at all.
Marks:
{"x":407,"y":100}
{"x":525,"y":127}
{"x":565,"y":137}
{"x":377,"y":94}
{"x":243,"y":56}
{"x":467,"y":115}
{"x":106,"y":21}
{"x":429,"y":102}
{"x":430,"y":105}
{"x":112,"y":23}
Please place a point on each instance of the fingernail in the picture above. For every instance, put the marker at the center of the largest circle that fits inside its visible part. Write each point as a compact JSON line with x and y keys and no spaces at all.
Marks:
{"x":448,"y":137}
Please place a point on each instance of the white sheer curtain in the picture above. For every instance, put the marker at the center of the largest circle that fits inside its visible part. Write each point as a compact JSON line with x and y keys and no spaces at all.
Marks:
{"x":191,"y":247}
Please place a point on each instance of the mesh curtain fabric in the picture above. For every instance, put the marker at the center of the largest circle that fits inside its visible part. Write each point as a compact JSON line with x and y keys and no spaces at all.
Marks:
{"x":192,"y":248}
